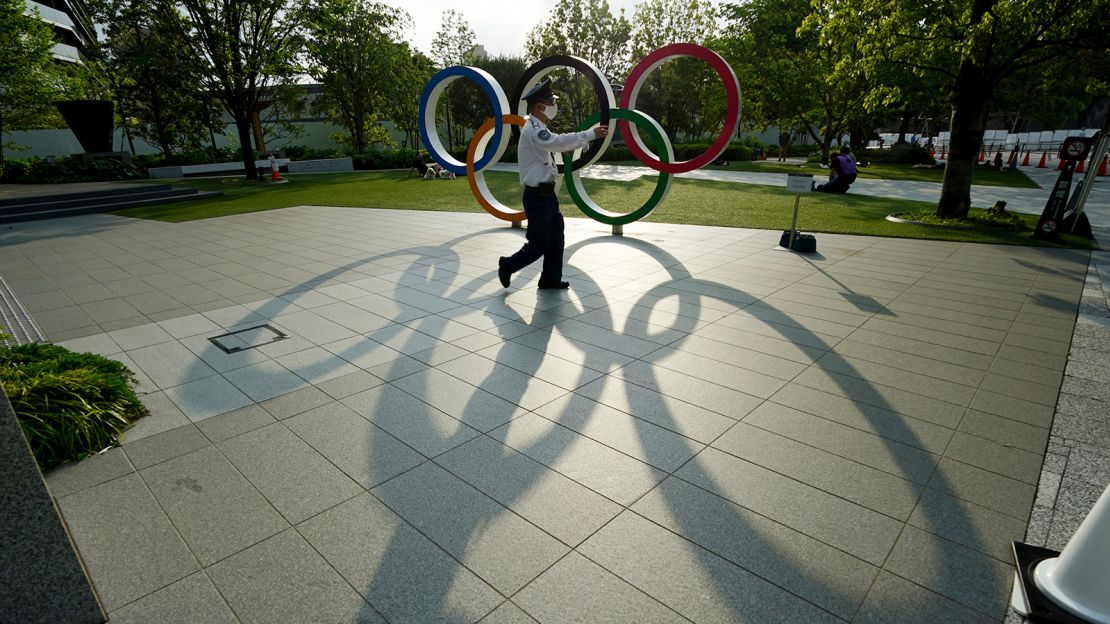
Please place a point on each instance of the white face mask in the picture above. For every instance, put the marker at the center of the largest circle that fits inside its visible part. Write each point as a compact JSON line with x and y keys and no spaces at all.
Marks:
{"x":550,"y":111}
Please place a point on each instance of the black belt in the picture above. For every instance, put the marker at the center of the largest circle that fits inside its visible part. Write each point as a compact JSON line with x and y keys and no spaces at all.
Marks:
{"x":543,"y":187}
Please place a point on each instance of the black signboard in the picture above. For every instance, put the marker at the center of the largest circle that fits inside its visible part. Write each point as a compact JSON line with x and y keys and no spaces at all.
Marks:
{"x":1052,"y":218}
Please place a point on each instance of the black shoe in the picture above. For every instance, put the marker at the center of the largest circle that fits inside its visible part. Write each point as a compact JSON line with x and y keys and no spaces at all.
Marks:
{"x":554,"y":286}
{"x":503,"y":273}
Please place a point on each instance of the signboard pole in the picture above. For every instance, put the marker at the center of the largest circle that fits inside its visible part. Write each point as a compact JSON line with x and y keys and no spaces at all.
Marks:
{"x":794,"y":222}
{"x":1096,"y":158}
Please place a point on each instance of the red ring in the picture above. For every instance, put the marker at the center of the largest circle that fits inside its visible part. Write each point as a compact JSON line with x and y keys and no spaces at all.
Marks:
{"x":732,"y":115}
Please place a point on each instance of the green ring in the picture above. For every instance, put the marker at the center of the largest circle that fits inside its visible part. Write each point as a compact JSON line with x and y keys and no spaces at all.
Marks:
{"x":662,"y":148}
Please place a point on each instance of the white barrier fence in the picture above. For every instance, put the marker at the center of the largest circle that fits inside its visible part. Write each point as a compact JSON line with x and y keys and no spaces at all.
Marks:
{"x":996,"y":140}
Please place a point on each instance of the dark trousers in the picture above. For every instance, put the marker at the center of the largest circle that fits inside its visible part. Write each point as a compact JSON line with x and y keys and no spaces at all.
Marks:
{"x":544,"y":236}
{"x":839,"y":184}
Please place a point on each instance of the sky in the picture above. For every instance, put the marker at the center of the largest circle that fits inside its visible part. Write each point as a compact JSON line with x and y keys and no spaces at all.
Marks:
{"x":501,"y":26}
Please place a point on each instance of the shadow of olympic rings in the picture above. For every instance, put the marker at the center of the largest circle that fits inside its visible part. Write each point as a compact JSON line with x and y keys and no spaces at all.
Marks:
{"x":436,"y":267}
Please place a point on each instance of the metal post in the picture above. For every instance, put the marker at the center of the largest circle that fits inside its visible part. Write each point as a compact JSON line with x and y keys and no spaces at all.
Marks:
{"x":518,"y":224}
{"x":794,"y":222}
{"x":618,"y":230}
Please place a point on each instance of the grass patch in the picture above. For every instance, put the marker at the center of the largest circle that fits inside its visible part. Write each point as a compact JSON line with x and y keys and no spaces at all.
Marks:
{"x":696,"y":202}
{"x":69,"y":405}
{"x":987,"y":219}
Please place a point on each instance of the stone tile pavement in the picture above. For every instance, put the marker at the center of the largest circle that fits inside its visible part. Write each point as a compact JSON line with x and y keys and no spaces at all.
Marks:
{"x":1076,"y":469}
{"x":702,"y":429}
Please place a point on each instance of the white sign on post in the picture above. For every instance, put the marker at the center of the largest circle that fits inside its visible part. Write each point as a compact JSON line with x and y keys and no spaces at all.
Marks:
{"x":799,"y":183}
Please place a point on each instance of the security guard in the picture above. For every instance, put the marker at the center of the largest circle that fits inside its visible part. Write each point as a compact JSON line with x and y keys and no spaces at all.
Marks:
{"x":538,"y":174}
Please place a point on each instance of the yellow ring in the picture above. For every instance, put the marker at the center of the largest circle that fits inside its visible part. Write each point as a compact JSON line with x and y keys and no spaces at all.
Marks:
{"x":477,"y":179}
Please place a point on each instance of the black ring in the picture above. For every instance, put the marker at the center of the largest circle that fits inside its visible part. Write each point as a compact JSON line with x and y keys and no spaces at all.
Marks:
{"x":541,"y":68}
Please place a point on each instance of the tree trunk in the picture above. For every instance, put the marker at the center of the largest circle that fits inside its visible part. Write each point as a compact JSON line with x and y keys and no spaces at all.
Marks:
{"x":244,"y":128}
{"x":969,"y":97}
{"x":826,"y":147}
{"x":160,"y":125}
{"x":903,"y":126}
{"x":857,"y":136}
{"x":971,"y":90}
{"x":360,"y":137}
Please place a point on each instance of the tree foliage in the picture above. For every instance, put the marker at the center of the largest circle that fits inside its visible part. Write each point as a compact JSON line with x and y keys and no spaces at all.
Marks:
{"x":454,"y":45}
{"x":977,"y":47}
{"x":589,"y":30}
{"x":795,"y":77}
{"x":353,"y":47}
{"x":155,"y":80}
{"x":30,"y":80}
{"x":586,"y":29}
{"x":412,"y":70}
{"x":249,"y":51}
{"x":683,"y":95}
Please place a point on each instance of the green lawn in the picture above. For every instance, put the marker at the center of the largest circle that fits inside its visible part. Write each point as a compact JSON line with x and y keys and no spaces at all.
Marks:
{"x":690,"y":201}
{"x":879,"y":171}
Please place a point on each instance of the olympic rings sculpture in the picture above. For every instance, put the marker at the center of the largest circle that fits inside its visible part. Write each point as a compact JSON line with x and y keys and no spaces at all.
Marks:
{"x":489,"y":142}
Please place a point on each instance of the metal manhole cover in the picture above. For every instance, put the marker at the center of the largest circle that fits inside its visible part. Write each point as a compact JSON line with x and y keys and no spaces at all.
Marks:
{"x":249,"y":338}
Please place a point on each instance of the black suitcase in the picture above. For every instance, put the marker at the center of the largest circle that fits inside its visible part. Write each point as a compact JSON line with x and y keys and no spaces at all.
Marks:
{"x":803,"y":243}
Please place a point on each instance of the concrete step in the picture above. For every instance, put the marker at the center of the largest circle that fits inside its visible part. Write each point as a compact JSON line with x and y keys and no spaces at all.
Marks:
{"x":118,"y":189}
{"x":58,"y":203}
{"x":119,"y":204}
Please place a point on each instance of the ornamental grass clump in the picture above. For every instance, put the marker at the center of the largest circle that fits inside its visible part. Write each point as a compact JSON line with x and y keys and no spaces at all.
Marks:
{"x":69,"y":405}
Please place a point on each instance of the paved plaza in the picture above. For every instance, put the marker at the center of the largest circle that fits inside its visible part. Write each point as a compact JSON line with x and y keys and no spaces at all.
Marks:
{"x":704,"y":428}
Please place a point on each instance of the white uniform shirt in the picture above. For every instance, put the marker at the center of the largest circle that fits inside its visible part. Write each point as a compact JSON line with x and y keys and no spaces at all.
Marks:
{"x":534,"y":151}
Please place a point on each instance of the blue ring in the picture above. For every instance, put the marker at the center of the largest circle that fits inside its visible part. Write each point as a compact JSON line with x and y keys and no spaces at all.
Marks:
{"x":448,"y":162}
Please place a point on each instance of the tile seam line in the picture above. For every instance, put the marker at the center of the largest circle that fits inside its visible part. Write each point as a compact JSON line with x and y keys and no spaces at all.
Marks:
{"x":196,"y":559}
{"x":674,"y":474}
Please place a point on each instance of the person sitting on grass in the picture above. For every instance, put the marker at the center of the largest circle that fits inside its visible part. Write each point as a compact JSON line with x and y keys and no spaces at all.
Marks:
{"x":429,"y":171}
{"x":842,"y":173}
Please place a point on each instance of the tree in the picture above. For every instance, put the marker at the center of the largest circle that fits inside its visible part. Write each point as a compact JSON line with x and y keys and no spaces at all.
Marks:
{"x":454,"y":45}
{"x":471,"y":106}
{"x":977,"y":46}
{"x":685,"y":94}
{"x":353,"y":52}
{"x":155,"y":79}
{"x":790,"y":72}
{"x":412,"y":69}
{"x":30,"y":80}
{"x":249,"y":50}
{"x":589,"y":30}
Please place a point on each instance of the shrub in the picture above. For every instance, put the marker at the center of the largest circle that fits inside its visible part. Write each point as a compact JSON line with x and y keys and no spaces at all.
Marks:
{"x":193,"y":157}
{"x":385,"y":159}
{"x":78,"y":168}
{"x":301,"y":152}
{"x":909,"y":155}
{"x":69,"y":405}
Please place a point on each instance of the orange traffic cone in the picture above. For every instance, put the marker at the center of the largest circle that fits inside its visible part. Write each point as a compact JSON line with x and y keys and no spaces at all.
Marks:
{"x":1081,"y":167}
{"x":1025,"y":161}
{"x":932,"y":153}
{"x":1102,"y":167}
{"x":1060,"y":167}
{"x":1044,"y":156}
{"x":942,"y":152}
{"x":982,"y":156}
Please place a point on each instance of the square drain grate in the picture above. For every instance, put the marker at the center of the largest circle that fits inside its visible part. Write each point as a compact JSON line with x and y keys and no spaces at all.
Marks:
{"x":249,"y":338}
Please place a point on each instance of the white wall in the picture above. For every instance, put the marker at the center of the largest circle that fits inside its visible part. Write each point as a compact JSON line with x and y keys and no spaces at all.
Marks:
{"x":62,"y":142}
